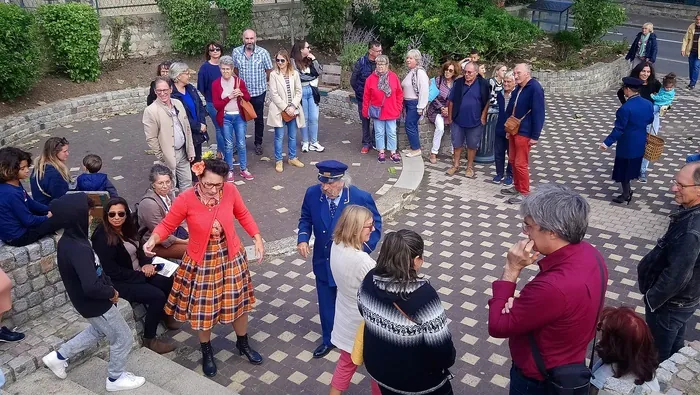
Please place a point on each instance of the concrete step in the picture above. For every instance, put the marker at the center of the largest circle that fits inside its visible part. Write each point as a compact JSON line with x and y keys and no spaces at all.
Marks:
{"x":92,"y":375}
{"x":44,"y":382}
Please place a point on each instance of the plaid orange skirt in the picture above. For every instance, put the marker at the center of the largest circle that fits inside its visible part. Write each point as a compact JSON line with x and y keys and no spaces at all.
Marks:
{"x":218,"y":290}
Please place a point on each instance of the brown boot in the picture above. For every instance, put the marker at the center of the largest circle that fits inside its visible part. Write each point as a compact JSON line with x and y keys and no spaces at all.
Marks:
{"x":158,"y":346}
{"x":170,"y":323}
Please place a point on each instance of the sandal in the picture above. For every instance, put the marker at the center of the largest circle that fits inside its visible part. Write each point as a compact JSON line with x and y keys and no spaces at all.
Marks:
{"x":433,"y":158}
{"x":451,"y":171}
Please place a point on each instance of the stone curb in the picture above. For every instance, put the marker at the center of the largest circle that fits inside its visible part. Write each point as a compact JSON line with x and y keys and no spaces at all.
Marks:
{"x":660,"y":28}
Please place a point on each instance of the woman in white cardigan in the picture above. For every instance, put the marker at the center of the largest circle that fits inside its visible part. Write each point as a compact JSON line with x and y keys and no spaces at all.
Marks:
{"x":349,"y":265}
{"x":285,"y":95}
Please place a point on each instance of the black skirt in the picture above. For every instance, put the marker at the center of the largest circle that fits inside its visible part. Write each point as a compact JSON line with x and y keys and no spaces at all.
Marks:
{"x":626,"y":169}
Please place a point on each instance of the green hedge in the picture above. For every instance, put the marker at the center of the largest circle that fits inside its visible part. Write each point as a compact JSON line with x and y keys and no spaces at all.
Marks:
{"x":72,"y":32}
{"x":328,"y":25}
{"x":240,"y":16}
{"x":190,"y":24}
{"x":19,"y":51}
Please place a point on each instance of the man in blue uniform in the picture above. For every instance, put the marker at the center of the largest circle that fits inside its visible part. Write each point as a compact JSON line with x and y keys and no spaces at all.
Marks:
{"x":322,"y":206}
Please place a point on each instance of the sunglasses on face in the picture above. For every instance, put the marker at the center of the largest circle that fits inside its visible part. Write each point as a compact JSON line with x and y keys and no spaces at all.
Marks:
{"x":214,"y":49}
{"x":281,"y":60}
{"x":450,"y":71}
{"x":113,"y":214}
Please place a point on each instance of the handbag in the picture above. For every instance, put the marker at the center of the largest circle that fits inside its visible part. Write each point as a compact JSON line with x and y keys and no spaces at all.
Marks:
{"x":244,"y":106}
{"x":375,"y":112}
{"x":575,"y":378}
{"x":316,"y":94}
{"x":512,"y":125}
{"x":358,"y":346}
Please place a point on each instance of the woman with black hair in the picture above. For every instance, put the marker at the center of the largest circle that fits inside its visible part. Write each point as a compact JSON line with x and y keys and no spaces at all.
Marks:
{"x":115,"y":242}
{"x":309,"y":72}
{"x":161,"y":71}
{"x":208,"y":73}
{"x":408,"y":348}
{"x":650,"y":85}
{"x":213,"y":284}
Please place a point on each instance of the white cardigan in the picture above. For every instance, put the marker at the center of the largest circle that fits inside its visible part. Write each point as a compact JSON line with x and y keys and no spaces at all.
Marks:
{"x":349,"y":267}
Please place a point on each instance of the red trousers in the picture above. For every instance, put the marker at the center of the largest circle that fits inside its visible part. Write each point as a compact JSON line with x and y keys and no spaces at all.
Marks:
{"x":519,"y":159}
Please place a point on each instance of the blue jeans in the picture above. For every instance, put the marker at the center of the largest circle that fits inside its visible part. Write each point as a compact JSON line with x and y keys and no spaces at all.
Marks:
{"x":667,"y":325}
{"x":309,"y":133}
{"x":291,"y":140}
{"x":693,"y":67}
{"x":652,"y":129}
{"x":521,"y":385}
{"x":412,"y":116}
{"x":500,"y":147}
{"x":220,"y":142}
{"x":387,"y":128}
{"x":234,"y":131}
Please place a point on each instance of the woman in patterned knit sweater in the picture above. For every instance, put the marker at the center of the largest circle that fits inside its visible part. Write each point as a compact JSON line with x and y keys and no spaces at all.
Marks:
{"x":408,"y":348}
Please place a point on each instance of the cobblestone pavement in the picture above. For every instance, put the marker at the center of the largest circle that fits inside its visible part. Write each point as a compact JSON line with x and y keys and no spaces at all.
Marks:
{"x":273,"y":198}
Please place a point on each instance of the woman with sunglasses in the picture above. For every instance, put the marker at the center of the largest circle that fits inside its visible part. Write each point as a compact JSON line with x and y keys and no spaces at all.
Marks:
{"x":437,"y":109}
{"x":213,"y":283}
{"x":161,"y":71}
{"x":115,"y":242}
{"x":285,"y":96}
{"x":51,"y":178}
{"x":309,"y":72}
{"x":208,"y":73}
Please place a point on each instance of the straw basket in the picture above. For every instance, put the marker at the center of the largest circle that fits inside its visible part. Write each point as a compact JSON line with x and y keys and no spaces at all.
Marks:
{"x":654,"y":148}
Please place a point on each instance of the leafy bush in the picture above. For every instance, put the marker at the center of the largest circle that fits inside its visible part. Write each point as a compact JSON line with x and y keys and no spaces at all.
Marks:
{"x":19,"y":51}
{"x":566,"y":43}
{"x":190,"y":24}
{"x":328,"y":22}
{"x":354,"y":47}
{"x":240,"y":17}
{"x":364,"y":14}
{"x":72,"y":31}
{"x":593,"y":18}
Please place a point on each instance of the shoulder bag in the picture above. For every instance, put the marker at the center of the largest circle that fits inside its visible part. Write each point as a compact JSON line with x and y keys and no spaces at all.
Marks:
{"x":375,"y":112}
{"x":575,"y":378}
{"x":358,"y":346}
{"x":286,"y":117}
{"x":512,"y":125}
{"x":244,"y":105}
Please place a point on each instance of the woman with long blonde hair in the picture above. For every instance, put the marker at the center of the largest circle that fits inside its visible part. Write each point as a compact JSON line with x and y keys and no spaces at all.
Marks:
{"x":349,"y":266}
{"x":51,"y":178}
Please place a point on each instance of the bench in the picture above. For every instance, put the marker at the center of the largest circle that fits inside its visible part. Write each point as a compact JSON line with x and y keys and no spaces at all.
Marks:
{"x":100,"y":198}
{"x":331,"y":75}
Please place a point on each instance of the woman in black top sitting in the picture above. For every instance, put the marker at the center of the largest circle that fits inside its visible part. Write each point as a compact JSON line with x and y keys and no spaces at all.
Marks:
{"x":645,"y":72}
{"x":134,"y":277}
{"x":161,"y":71}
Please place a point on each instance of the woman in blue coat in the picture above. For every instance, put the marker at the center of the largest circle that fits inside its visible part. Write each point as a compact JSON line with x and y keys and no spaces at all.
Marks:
{"x":51,"y":178}
{"x":630,"y":133}
{"x":196,"y":112}
{"x":644,"y":46}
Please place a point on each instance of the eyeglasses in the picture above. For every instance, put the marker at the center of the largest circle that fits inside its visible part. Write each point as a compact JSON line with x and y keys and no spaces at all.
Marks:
{"x":163,"y":183}
{"x":214,"y":49}
{"x":281,"y":60}
{"x":209,"y":185}
{"x":113,"y":214}
{"x":162,"y":91}
{"x":681,"y":186}
{"x":376,"y":50}
{"x":307,"y":47}
{"x":450,"y":71}
{"x":371,"y":226}
{"x":526,"y":227}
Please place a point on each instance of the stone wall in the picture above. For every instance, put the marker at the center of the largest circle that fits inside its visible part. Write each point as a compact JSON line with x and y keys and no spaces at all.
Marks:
{"x":591,"y":80}
{"x":280,"y":21}
{"x":653,"y":8}
{"x":149,"y":36}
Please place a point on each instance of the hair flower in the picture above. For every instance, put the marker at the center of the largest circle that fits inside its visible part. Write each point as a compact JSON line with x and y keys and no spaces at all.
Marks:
{"x":198,"y":168}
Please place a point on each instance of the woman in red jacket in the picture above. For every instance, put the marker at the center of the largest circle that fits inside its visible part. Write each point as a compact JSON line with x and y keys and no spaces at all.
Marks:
{"x":213,"y":283}
{"x":229,"y":117}
{"x":383,"y":101}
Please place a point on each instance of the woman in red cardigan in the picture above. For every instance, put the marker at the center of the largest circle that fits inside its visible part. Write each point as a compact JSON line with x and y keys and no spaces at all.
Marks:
{"x":227,"y":93}
{"x":213,"y":283}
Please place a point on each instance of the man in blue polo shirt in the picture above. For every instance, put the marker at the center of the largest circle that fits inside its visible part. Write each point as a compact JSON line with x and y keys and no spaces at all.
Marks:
{"x":467,"y":107}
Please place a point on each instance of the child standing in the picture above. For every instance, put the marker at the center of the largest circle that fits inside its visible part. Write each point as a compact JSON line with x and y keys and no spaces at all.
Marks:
{"x":92,"y":295}
{"x":662,"y":101}
{"x":93,"y":180}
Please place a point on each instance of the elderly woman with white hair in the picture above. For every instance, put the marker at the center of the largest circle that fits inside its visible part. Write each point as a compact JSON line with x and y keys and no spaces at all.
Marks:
{"x":644,"y":46}
{"x":416,"y":86}
{"x":187,"y":94}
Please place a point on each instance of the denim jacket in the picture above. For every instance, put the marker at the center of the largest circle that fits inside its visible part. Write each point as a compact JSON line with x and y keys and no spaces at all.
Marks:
{"x":670,"y":273}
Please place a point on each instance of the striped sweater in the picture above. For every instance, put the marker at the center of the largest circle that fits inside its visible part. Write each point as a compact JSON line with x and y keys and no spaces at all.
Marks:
{"x":407,"y":356}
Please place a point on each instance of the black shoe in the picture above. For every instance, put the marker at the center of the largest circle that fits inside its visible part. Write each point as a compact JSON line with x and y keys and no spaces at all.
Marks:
{"x":9,"y":336}
{"x":322,"y":350}
{"x":208,"y":364}
{"x":258,"y":149}
{"x":691,"y":87}
{"x":244,"y":349}
{"x":622,"y":199}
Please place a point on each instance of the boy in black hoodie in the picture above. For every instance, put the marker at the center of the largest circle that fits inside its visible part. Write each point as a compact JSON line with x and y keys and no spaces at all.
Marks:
{"x":92,"y":295}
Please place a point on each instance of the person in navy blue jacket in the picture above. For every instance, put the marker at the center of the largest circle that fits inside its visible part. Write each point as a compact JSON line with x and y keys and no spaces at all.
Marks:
{"x":93,"y":180}
{"x":644,"y":46}
{"x":209,"y":72}
{"x":22,"y":220}
{"x":196,"y":113}
{"x":321,"y":209}
{"x":526,"y":104}
{"x":51,"y":178}
{"x":500,"y":144}
{"x":630,"y":133}
{"x":360,"y":71}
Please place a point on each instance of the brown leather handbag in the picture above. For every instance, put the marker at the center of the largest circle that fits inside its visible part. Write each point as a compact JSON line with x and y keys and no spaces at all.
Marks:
{"x":512,"y":125}
{"x":246,"y":109}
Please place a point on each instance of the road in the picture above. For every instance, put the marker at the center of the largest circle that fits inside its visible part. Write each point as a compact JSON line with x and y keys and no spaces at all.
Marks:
{"x":669,"y":57}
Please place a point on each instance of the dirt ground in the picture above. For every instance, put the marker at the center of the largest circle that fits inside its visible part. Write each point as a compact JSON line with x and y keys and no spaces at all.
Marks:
{"x":123,"y":74}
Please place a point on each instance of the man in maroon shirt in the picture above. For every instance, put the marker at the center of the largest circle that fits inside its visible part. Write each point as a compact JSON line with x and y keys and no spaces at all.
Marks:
{"x":560,"y":305}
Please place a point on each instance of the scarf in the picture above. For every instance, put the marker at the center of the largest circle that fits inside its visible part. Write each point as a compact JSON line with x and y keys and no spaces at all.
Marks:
{"x":383,"y":83}
{"x":643,"y":44}
{"x":414,"y":79}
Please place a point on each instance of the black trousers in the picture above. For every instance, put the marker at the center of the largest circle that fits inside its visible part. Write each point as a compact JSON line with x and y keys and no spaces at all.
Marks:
{"x":154,"y":293}
{"x":46,"y":228}
{"x":258,"y":103}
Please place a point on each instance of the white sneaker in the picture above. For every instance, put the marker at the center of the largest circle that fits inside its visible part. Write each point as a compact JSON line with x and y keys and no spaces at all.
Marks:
{"x":57,"y":366}
{"x":305,"y":147}
{"x":127,"y":381}
{"x":316,"y":147}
